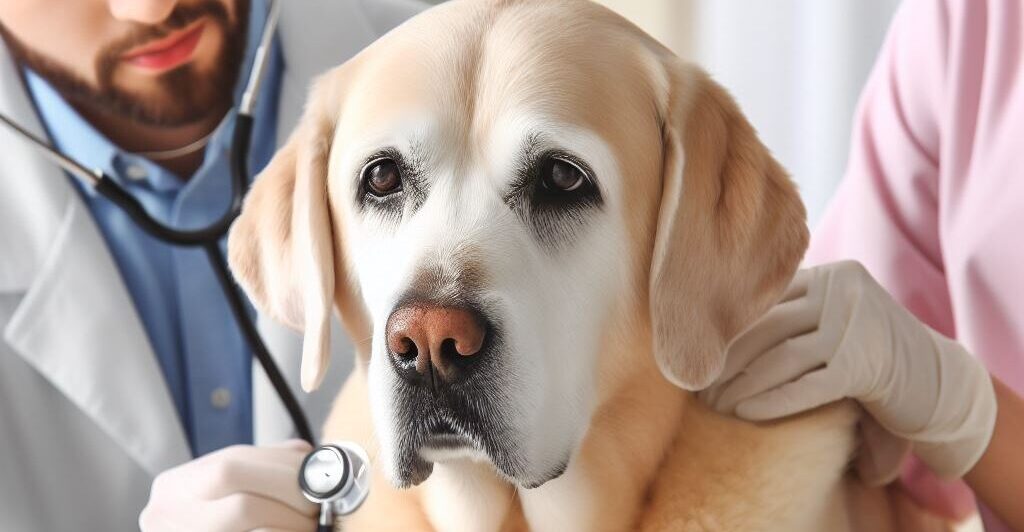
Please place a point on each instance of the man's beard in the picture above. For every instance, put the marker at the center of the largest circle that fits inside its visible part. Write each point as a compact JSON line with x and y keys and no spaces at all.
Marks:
{"x":185,"y":94}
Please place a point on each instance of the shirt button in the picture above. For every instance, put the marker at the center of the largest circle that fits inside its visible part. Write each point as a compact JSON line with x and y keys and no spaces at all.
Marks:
{"x":135,"y":172}
{"x":220,"y":398}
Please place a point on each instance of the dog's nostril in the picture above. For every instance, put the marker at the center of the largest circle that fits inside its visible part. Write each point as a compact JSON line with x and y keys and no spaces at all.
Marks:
{"x":449,"y":349}
{"x":408,"y":348}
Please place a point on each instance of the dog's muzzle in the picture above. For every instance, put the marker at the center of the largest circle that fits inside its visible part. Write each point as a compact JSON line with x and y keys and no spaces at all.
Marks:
{"x":452,"y":389}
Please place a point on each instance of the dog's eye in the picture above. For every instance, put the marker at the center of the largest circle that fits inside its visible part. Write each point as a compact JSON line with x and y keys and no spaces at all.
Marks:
{"x":561,"y":175}
{"x":382,"y":177}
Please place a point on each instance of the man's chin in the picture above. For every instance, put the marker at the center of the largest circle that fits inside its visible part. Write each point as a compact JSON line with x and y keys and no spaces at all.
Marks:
{"x":188,"y":94}
{"x":187,"y":99}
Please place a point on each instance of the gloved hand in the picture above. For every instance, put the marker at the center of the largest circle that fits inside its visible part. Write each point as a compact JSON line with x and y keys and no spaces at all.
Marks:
{"x":838,"y":334}
{"x":236,"y":488}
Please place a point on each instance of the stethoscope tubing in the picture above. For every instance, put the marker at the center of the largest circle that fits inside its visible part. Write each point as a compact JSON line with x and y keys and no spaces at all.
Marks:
{"x":208,"y":238}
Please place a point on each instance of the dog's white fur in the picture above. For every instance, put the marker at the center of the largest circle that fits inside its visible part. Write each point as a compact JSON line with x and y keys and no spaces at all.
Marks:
{"x":698,"y":233}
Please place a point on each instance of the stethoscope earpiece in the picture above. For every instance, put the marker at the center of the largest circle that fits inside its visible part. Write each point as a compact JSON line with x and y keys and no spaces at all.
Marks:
{"x":337,"y":477}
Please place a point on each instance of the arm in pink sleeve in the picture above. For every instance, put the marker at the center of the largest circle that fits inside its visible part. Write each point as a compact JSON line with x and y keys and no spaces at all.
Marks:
{"x":884,"y":213}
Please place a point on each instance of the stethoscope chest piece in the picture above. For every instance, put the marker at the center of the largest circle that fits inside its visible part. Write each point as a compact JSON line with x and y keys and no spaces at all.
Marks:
{"x":336,"y":476}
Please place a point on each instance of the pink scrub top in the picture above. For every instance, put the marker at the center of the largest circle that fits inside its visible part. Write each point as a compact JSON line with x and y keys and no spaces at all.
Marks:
{"x":932,"y":202}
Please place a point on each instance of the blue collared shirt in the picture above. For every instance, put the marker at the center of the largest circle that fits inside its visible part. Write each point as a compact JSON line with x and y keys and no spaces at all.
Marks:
{"x":200,"y":350}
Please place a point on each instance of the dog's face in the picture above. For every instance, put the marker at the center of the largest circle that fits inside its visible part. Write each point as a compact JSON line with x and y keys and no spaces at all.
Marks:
{"x":492,"y":195}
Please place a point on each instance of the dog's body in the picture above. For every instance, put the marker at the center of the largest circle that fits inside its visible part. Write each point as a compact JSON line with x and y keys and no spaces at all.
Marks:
{"x":644,"y":467}
{"x":543,"y":227}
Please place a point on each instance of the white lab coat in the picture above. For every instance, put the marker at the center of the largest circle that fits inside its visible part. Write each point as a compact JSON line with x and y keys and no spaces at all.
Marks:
{"x":86,"y":420}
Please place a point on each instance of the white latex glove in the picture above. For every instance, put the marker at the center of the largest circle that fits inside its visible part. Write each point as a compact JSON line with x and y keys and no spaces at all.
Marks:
{"x":838,"y":334}
{"x":237,"y":488}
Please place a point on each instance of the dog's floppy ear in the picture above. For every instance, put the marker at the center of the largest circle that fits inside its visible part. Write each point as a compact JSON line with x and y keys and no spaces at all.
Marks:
{"x":281,"y":248}
{"x":731,"y":229}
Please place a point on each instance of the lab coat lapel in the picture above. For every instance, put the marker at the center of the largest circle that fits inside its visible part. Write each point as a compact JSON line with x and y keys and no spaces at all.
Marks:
{"x":76,"y":323}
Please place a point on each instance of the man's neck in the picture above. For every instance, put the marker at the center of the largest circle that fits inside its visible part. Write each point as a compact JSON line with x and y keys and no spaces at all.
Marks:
{"x":134,"y":137}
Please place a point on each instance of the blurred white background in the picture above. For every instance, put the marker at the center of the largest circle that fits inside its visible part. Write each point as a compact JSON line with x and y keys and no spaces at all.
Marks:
{"x":795,"y":66}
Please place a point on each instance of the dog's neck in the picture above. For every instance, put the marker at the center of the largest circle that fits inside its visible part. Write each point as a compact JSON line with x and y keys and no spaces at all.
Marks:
{"x":606,"y":482}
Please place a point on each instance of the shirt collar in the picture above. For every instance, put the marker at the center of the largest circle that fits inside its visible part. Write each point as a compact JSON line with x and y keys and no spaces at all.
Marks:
{"x":78,"y":139}
{"x":68,"y":131}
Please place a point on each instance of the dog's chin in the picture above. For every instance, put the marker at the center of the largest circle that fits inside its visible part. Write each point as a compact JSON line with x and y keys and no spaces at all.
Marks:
{"x":413,"y":468}
{"x":451,"y":448}
{"x":539,"y":480}
{"x":409,"y":472}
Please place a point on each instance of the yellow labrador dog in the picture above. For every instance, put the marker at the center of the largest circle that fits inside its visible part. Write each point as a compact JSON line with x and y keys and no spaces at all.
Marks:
{"x":542,"y":228}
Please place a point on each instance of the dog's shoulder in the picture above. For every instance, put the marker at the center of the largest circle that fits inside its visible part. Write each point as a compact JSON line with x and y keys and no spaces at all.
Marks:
{"x":726,"y":474}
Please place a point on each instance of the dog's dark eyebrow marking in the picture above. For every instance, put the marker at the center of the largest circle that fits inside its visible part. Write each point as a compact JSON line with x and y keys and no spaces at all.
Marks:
{"x":531,"y":144}
{"x":555,"y":218}
{"x":416,"y":156}
{"x":524,"y":159}
{"x":416,"y":161}
{"x":414,"y":186}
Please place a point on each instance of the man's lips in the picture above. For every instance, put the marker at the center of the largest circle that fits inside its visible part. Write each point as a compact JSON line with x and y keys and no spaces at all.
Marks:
{"x":169,"y":52}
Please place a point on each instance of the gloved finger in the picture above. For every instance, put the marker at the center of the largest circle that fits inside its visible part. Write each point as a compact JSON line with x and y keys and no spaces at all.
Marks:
{"x":286,"y":454}
{"x":294,"y":444}
{"x":283,"y":452}
{"x":270,"y":481}
{"x":810,"y":391}
{"x":785,"y":320}
{"x":797,"y":287}
{"x":156,"y":518}
{"x":880,"y":453}
{"x":244,"y":512}
{"x":781,"y":364}
{"x":268,"y":472}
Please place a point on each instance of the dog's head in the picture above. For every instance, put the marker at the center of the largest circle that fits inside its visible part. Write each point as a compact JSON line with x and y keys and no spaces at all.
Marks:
{"x":493,"y":193}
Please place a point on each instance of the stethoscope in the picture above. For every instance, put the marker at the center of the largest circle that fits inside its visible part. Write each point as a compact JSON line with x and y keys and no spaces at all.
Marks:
{"x":337,"y":477}
{"x":334,"y":476}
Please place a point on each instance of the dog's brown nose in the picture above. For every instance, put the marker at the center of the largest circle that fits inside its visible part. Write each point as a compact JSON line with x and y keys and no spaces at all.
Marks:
{"x":428,"y":338}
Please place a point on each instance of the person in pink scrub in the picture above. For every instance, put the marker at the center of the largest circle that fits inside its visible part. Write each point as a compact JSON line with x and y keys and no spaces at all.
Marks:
{"x":927,"y":331}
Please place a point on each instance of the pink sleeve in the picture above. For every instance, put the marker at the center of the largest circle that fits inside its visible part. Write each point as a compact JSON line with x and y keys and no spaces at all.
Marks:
{"x":885,"y":213}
